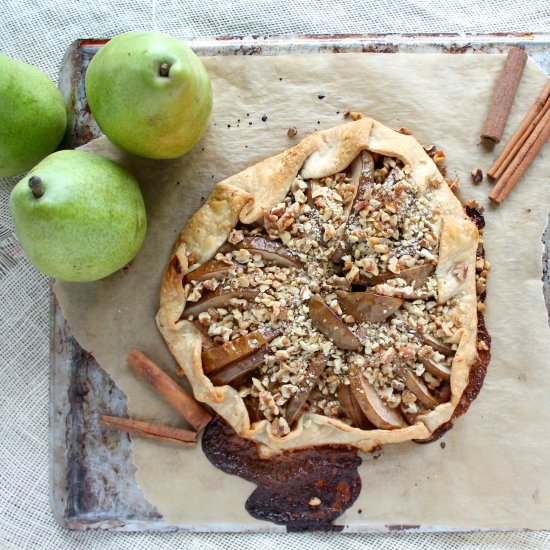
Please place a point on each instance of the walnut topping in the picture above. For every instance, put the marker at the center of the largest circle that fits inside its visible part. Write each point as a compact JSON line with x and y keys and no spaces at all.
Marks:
{"x":373,"y":239}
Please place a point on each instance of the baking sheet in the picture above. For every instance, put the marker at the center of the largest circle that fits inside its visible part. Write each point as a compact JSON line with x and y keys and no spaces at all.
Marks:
{"x":467,"y":484}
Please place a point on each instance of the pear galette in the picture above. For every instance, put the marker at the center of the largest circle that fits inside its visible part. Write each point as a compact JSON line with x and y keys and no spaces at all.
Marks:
{"x":327,"y":295}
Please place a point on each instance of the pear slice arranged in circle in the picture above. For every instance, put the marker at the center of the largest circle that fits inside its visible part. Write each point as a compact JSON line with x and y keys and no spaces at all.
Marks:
{"x":351,"y":408}
{"x":309,"y":381}
{"x":418,"y":274}
{"x":213,"y":269}
{"x":375,"y":409}
{"x":368,"y":306}
{"x":271,"y":251}
{"x":217,"y":298}
{"x":436,"y":368}
{"x":416,"y":386}
{"x":329,"y":324}
{"x":234,"y":371}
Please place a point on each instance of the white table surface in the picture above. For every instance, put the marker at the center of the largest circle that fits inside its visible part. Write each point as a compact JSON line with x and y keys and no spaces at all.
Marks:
{"x":38,"y":32}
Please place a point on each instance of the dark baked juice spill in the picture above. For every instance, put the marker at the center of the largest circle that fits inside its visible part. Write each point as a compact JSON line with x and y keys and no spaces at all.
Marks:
{"x":303,"y":490}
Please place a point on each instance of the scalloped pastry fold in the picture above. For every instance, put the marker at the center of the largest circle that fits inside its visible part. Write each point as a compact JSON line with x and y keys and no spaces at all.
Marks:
{"x":244,"y":197}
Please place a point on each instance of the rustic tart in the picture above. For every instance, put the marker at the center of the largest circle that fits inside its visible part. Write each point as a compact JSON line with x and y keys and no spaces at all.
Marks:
{"x":327,"y":295}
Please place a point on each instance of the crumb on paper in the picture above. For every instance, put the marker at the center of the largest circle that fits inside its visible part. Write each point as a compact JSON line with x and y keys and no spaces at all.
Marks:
{"x":477,"y":176}
{"x":353,"y":115}
{"x":404,"y":131}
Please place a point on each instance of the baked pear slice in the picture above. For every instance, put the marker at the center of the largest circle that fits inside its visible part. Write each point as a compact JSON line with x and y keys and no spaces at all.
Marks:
{"x":236,"y":350}
{"x":418,"y":274}
{"x":212,"y":269}
{"x":217,"y":298}
{"x":436,"y":368}
{"x":234,"y":371}
{"x":417,"y":387}
{"x":368,"y":307}
{"x":313,"y":372}
{"x":351,"y":408}
{"x":362,"y":177}
{"x":272,"y":252}
{"x":371,"y":404}
{"x":329,"y":324}
{"x":242,"y":366}
{"x":437,"y":345}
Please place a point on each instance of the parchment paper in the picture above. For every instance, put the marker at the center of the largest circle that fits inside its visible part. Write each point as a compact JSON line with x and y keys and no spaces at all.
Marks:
{"x":493,"y":471}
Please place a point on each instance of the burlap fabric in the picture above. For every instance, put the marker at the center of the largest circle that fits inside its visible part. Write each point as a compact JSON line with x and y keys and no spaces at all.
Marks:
{"x":38,"y":32}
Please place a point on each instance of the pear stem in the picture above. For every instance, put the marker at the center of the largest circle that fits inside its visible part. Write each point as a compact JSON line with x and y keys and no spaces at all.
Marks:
{"x":164,"y":69}
{"x":35,"y":183}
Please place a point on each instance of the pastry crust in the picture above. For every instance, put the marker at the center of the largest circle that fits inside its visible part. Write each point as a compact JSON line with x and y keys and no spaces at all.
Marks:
{"x":244,"y":198}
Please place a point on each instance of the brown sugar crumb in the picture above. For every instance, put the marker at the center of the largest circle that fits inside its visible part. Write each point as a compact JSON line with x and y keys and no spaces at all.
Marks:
{"x":477,"y":175}
{"x":353,"y":115}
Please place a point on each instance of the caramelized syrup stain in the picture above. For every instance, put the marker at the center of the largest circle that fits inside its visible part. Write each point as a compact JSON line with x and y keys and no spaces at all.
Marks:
{"x":303,"y":490}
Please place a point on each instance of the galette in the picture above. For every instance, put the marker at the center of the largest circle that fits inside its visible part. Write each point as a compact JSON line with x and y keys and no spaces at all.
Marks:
{"x":328,"y":294}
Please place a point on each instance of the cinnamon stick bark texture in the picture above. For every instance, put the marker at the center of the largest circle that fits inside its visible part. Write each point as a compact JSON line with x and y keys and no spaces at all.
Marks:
{"x":170,"y":390}
{"x":522,"y":160}
{"x":158,"y":432}
{"x":525,"y":129}
{"x":504,"y":94}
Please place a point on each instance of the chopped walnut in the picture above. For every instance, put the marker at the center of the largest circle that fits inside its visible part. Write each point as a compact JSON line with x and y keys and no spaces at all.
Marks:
{"x":204,"y":318}
{"x":280,"y":427}
{"x":267,"y":405}
{"x":236,"y":236}
{"x":242,"y":256}
{"x":408,"y":397}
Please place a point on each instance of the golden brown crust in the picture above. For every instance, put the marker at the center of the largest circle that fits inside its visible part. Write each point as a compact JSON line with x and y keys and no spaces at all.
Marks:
{"x":244,"y":197}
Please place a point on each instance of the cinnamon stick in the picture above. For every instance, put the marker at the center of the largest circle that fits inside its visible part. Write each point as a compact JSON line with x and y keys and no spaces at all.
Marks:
{"x":149,"y":430}
{"x":531,"y":119}
{"x":522,"y":160}
{"x":170,"y":390}
{"x":503,"y":95}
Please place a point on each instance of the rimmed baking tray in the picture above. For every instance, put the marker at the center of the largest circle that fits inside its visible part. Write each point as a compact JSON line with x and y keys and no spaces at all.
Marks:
{"x":91,"y":471}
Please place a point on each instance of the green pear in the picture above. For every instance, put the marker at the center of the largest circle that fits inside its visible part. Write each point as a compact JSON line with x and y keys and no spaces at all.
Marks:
{"x":78,"y":216}
{"x":32,"y":116}
{"x":150,"y":94}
